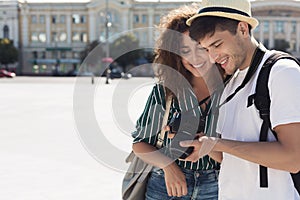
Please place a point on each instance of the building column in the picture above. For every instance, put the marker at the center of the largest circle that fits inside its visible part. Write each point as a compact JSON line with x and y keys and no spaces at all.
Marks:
{"x":261,"y":32}
{"x":125,"y":15}
{"x":25,"y":31}
{"x":48,"y":29}
{"x":15,"y":32}
{"x":130,"y":19}
{"x":150,"y":25}
{"x":92,"y":25}
{"x":288,"y":28}
{"x":69,"y":29}
{"x":271,"y":34}
{"x":298,"y":36}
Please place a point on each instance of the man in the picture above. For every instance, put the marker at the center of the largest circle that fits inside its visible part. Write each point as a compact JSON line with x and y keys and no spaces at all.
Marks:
{"x":223,"y":28}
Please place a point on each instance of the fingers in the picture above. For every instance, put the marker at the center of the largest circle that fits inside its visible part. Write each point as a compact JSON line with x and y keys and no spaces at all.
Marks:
{"x":184,"y":190}
{"x":198,"y":135}
{"x":175,"y":180}
{"x":177,"y":190}
{"x":189,"y":143}
{"x":167,"y":129}
{"x":171,"y":135}
{"x":203,"y":146}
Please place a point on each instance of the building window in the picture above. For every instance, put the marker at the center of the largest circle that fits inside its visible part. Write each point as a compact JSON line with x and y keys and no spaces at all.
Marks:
{"x":62,"y":19}
{"x":83,"y":37}
{"x":76,"y":19}
{"x":83,"y":19}
{"x":75,"y":36}
{"x":136,"y":19}
{"x":5,"y":32}
{"x":54,"y":19}
{"x":43,"y":54}
{"x":144,"y":19}
{"x":294,"y":26}
{"x":35,"y":54}
{"x":42,"y":37}
{"x":62,"y":37}
{"x":266,"y":26}
{"x":156,"y":19}
{"x":279,"y":27}
{"x":34,"y":37}
{"x":33,"y":19}
{"x":42,"y":19}
{"x":112,"y":16}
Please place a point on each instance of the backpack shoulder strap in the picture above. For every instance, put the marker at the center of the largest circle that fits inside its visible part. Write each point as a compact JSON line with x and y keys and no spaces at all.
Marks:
{"x":262,"y":97}
{"x":262,"y":102}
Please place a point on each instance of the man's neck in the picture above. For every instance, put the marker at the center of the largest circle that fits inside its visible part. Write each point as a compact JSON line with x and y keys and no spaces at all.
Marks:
{"x":250,"y":53}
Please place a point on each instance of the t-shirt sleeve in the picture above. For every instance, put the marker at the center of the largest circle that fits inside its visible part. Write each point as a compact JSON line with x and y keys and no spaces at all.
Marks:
{"x":284,"y":86}
{"x":148,"y":124}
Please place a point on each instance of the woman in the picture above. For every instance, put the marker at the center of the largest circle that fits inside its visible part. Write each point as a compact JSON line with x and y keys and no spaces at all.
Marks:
{"x":176,"y":52}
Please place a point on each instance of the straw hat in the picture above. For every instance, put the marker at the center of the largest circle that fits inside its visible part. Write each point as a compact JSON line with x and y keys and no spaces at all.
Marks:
{"x":233,"y":9}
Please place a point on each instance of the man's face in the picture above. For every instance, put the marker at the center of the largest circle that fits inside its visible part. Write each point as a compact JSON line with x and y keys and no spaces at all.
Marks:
{"x":226,"y":49}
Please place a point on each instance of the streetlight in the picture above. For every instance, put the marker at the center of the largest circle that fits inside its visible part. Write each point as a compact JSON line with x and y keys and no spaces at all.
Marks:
{"x":107,"y":26}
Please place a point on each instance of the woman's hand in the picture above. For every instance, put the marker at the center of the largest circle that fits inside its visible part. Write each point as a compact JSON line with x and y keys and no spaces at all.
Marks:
{"x":175,"y":180}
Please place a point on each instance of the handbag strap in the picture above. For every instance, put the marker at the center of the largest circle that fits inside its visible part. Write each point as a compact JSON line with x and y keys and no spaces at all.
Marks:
{"x":161,"y":135}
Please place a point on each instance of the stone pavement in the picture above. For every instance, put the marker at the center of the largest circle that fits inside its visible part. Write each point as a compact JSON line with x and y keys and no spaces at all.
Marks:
{"x":42,"y":152}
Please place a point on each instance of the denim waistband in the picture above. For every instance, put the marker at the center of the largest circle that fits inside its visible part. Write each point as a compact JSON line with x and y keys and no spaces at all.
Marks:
{"x":191,"y":171}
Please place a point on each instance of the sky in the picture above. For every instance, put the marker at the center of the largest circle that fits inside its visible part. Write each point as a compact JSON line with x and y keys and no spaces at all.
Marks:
{"x":90,"y":0}
{"x":55,"y":1}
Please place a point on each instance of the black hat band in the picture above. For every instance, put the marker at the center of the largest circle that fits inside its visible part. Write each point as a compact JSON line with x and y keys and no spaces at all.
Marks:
{"x":222,"y":9}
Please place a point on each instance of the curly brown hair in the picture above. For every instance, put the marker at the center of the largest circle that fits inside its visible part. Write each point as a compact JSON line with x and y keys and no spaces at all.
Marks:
{"x":167,"y":46}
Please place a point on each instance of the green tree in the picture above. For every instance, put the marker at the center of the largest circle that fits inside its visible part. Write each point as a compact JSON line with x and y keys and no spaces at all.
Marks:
{"x":125,"y":50}
{"x":8,"y":52}
{"x":89,"y":48}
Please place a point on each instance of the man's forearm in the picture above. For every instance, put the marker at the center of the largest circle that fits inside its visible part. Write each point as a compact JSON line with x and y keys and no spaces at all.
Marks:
{"x":269,"y":154}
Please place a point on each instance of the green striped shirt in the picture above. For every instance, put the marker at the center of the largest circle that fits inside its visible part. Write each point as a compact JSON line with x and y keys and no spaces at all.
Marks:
{"x":149,"y":123}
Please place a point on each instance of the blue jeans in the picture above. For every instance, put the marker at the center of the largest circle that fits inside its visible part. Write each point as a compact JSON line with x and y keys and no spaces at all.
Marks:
{"x":202,"y":185}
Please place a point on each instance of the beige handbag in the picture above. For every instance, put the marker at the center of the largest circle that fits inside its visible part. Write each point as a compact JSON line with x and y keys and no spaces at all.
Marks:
{"x":136,"y":178}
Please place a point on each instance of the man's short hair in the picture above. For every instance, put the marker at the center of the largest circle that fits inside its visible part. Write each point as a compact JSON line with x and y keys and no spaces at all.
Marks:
{"x":208,"y":25}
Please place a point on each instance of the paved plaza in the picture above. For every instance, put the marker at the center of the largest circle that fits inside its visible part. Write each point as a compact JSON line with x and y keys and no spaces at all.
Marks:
{"x":44,"y":152}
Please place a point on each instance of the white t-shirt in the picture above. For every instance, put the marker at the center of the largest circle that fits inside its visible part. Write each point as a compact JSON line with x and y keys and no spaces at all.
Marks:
{"x":239,"y":179}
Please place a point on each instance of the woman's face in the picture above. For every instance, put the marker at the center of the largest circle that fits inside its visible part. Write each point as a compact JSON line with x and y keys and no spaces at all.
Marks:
{"x":194,"y":58}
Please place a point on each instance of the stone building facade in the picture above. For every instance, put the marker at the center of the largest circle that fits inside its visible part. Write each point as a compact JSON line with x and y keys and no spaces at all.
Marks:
{"x":50,"y":36}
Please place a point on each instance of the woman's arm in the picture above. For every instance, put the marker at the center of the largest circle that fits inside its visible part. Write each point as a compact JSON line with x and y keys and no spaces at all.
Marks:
{"x":174,"y":177}
{"x":151,"y":155}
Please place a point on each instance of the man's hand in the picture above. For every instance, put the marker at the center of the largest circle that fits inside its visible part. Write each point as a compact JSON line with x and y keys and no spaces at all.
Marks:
{"x":203,"y":146}
{"x":175,"y":181}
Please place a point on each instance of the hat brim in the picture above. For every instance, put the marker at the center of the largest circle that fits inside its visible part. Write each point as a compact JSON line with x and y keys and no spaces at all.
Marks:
{"x":250,"y":20}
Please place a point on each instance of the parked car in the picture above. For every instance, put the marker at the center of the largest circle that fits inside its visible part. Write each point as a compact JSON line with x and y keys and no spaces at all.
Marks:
{"x":117,"y":72}
{"x":8,"y":74}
